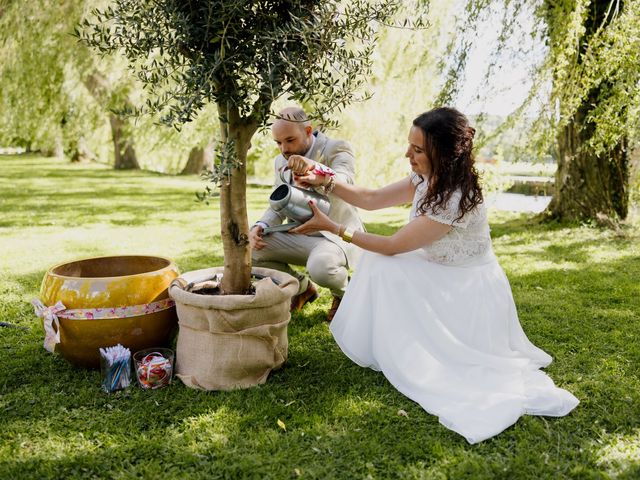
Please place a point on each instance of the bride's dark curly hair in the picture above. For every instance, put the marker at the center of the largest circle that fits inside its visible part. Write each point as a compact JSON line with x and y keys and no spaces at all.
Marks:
{"x":449,"y":148}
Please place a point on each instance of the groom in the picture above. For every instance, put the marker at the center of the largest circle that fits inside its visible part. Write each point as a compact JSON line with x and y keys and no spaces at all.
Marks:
{"x":325,"y":255}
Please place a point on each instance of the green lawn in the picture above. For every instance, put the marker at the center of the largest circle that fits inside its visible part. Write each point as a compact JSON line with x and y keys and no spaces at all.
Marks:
{"x":577,"y":289}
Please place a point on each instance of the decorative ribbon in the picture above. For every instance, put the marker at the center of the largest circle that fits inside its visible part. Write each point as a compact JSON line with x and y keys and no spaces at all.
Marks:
{"x":323,"y":170}
{"x":117,"y":312}
{"x":53,"y":313}
{"x":50,"y":317}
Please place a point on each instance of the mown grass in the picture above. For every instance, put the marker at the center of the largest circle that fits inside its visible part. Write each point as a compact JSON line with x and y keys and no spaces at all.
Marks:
{"x":577,"y":289}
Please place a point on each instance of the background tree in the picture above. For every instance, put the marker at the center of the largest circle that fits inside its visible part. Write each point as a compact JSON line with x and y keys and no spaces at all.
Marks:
{"x":38,"y":108}
{"x":60,"y":97}
{"x":589,"y":116}
{"x":241,"y":56}
{"x":595,"y":92}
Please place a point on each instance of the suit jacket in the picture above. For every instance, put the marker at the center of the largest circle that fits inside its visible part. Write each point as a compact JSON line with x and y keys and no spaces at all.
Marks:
{"x":338,"y":155}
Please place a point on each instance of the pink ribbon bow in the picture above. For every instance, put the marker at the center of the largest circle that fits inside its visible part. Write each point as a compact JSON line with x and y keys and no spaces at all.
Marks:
{"x":323,"y":170}
{"x":50,"y":317}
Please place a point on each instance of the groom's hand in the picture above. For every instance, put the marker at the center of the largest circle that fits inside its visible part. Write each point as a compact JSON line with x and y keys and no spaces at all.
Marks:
{"x":255,"y":238}
{"x":300,"y":165}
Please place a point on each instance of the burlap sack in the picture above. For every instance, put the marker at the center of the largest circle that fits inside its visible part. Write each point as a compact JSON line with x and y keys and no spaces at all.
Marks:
{"x":232,"y":341}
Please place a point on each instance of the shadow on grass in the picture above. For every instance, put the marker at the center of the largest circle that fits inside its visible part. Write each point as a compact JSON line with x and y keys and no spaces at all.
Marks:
{"x":343,"y":418}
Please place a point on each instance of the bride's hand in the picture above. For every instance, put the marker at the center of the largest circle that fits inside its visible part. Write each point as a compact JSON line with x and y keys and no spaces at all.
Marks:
{"x":319,"y":222}
{"x":309,"y":179}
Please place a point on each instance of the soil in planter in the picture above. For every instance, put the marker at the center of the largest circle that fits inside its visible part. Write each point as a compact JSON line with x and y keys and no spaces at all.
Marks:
{"x":211,"y":286}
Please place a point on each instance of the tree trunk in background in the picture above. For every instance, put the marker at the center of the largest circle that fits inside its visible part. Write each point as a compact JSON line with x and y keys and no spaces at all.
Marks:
{"x":79,"y":152}
{"x":199,"y":159}
{"x":590,"y":186}
{"x":233,"y":206}
{"x":125,"y":154}
{"x":57,"y":150}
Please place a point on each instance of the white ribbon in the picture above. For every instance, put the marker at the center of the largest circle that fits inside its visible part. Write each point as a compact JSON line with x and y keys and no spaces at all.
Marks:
{"x":50,"y":317}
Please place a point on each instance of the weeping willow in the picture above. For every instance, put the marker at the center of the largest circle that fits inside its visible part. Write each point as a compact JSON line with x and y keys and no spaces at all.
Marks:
{"x":586,"y":90}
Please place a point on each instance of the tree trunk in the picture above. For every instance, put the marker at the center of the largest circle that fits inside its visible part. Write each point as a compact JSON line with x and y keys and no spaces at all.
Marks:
{"x":199,"y":159}
{"x":79,"y":152}
{"x":590,"y":186}
{"x":125,"y":154}
{"x":234,"y":222}
{"x":57,"y":150}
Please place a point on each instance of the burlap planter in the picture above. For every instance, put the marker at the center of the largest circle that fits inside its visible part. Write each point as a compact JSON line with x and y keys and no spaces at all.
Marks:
{"x":232,"y":341}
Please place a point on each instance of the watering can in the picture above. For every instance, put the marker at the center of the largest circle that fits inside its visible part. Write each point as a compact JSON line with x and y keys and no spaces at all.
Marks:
{"x":293,"y":202}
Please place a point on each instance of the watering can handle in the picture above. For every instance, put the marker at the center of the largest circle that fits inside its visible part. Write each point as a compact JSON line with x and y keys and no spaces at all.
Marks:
{"x":284,"y":180}
{"x":286,"y":168}
{"x":283,"y":170}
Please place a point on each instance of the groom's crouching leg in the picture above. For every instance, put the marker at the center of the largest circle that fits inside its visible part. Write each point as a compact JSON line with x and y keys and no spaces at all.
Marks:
{"x":328,"y":269}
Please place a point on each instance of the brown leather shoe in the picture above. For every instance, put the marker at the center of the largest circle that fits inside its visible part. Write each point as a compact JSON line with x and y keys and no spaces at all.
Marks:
{"x":334,"y":308}
{"x":300,"y":300}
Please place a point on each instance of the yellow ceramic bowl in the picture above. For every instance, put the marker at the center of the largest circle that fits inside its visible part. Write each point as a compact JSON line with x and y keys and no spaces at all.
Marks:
{"x":105,"y":282}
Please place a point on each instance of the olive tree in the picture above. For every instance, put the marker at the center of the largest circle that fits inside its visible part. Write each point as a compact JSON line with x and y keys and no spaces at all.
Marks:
{"x":242,"y":55}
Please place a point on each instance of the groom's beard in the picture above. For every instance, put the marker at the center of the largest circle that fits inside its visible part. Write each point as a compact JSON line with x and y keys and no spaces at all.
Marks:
{"x":300,"y":151}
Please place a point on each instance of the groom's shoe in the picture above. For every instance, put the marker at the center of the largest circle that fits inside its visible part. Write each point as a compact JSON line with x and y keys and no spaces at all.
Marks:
{"x":334,"y":308}
{"x":300,"y":300}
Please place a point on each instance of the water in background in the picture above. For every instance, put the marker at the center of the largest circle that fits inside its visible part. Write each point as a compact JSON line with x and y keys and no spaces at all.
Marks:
{"x":517,"y":202}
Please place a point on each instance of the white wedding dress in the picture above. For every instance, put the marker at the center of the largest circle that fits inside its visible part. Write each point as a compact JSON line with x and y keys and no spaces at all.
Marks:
{"x":441,"y":324}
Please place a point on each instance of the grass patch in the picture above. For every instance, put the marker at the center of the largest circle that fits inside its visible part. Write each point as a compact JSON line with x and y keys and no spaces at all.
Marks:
{"x":576,"y":288}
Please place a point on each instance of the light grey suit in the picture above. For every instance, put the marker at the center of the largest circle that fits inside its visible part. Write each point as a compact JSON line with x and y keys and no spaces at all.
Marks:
{"x":325,"y":255}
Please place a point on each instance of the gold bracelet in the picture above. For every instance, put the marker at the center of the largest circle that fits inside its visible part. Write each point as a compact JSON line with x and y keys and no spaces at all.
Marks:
{"x":347,"y":235}
{"x":331,"y":184}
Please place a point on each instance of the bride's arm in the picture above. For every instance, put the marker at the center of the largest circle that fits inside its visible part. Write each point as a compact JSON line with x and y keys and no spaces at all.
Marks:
{"x":367,"y":198}
{"x":420,"y":232}
{"x":373,"y":199}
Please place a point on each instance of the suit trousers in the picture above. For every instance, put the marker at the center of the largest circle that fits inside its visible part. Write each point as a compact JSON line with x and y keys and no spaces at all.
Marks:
{"x":325,"y":261}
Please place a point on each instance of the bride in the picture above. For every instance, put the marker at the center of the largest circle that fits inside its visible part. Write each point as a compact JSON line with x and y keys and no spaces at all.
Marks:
{"x":429,"y":306}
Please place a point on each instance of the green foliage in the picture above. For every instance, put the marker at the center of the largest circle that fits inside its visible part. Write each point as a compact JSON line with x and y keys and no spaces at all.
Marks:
{"x":402,"y":83}
{"x":576,"y":289}
{"x":606,"y":60}
{"x":576,"y":63}
{"x":242,"y":54}
{"x":260,"y":156}
{"x":44,"y":101}
{"x":37,"y":98}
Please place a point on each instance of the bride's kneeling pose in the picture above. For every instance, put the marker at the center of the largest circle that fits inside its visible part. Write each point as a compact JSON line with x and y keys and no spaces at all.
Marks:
{"x":430,"y":306}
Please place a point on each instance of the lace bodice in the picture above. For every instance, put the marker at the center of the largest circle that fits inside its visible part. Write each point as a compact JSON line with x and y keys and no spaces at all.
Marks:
{"x":469,"y":238}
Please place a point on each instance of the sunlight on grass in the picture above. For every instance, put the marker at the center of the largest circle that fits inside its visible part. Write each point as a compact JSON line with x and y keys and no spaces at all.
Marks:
{"x":211,"y":429}
{"x":619,"y":453}
{"x":356,"y":406}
